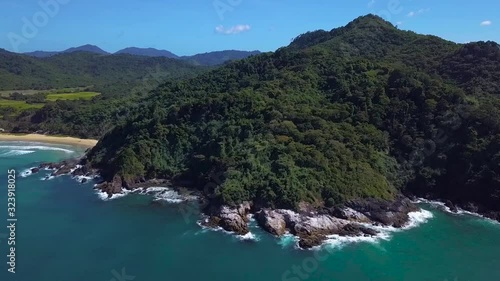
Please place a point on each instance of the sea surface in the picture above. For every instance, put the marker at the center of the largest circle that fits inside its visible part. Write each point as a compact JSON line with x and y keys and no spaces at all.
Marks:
{"x":67,"y":232}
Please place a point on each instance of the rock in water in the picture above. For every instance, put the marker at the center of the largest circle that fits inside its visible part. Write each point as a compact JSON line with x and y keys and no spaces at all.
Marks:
{"x":232,"y":220}
{"x":272,"y":221}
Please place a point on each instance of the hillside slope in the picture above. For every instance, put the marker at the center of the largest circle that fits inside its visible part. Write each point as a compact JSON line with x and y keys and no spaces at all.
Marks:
{"x":83,"y":69}
{"x":362,"y":111}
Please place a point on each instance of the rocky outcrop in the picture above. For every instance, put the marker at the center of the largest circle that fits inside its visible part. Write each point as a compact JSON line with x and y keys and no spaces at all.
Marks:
{"x":389,"y":213}
{"x":272,"y":221}
{"x":71,"y":167}
{"x":113,"y":187}
{"x":349,"y":214}
{"x":230,"y":219}
{"x":453,"y":208}
{"x":313,"y":228}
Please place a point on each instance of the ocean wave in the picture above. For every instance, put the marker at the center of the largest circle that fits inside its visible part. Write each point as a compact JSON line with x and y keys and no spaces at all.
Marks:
{"x":158,"y":193}
{"x":87,"y":178}
{"x":288,"y":240}
{"x":442,"y":206}
{"x":48,"y":178}
{"x":250,"y":236}
{"x":26,"y":173}
{"x":16,"y":152}
{"x":35,"y":147}
{"x":337,"y":241}
{"x":418,"y":218}
{"x":162,"y":194}
{"x":384,"y":232}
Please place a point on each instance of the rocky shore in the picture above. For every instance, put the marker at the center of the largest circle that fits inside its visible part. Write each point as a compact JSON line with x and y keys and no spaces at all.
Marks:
{"x":310,"y":225}
{"x":313,"y":227}
{"x":75,"y":169}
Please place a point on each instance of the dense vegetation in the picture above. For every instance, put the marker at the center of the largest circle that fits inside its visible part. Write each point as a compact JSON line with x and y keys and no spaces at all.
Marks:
{"x":121,"y":79}
{"x":365,"y":110}
{"x":113,"y":74}
{"x":218,"y":57}
{"x":206,"y":59}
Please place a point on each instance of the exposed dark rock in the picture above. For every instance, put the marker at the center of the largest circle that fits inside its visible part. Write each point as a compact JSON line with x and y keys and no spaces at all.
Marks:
{"x":312,"y":240}
{"x":63,"y":170}
{"x":349,"y":214}
{"x":471,"y":207}
{"x":389,"y":213}
{"x":450,"y":205}
{"x":112,"y":187}
{"x":35,"y":170}
{"x":357,"y":230}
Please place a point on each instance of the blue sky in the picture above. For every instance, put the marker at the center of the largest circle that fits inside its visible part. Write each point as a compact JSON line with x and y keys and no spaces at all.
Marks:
{"x":187,"y":27}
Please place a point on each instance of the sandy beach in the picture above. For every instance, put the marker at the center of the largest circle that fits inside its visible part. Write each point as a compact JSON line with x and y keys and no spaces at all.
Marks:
{"x":49,"y":139}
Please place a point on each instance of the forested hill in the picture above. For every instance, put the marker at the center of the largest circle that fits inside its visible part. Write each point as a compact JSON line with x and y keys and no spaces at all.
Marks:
{"x":21,"y":72}
{"x":364,"y":110}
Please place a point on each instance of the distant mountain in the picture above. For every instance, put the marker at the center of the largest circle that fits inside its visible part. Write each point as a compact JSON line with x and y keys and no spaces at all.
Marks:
{"x":87,"y":48}
{"x":41,"y":54}
{"x":205,"y":59}
{"x":147,"y":52}
{"x":219,"y":57}
{"x":111,"y":73}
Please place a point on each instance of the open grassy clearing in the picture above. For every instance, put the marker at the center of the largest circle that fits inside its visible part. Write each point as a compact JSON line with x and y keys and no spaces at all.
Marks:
{"x":71,"y":96}
{"x":19,"y":105}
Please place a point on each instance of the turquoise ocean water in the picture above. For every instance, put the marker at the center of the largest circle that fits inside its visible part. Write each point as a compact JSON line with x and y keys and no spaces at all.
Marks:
{"x":66,"y":232}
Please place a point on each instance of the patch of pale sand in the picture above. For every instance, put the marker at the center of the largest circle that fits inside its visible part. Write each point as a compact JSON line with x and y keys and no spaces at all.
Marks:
{"x":49,"y":139}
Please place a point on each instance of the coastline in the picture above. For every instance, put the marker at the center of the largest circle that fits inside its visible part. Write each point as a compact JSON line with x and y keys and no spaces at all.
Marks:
{"x":87,"y":143}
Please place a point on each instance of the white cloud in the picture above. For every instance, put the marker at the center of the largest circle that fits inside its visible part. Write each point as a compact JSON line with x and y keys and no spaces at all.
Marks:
{"x":416,"y":13}
{"x":371,"y":3}
{"x":233,"y":29}
{"x":486,"y":23}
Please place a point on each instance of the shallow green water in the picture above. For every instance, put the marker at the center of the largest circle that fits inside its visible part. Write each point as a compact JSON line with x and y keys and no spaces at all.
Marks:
{"x":65,"y":232}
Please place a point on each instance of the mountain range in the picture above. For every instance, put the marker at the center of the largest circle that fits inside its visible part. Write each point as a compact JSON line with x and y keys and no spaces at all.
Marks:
{"x":208,"y":59}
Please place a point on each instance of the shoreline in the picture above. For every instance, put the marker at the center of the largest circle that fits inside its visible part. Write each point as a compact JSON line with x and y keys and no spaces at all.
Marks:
{"x":87,"y":143}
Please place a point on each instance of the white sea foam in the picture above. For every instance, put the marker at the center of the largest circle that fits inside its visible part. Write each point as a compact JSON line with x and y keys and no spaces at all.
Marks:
{"x":26,"y":173}
{"x":248,"y":237}
{"x":384,"y":232}
{"x":47,"y":178}
{"x":164,"y":194}
{"x":439,"y":204}
{"x":81,"y":178}
{"x":16,"y":152}
{"x":35,"y":147}
{"x":442,"y":206}
{"x":102,"y":195}
{"x":288,"y":240}
{"x":159,"y":194}
{"x":337,"y":241}
{"x":418,"y":218}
